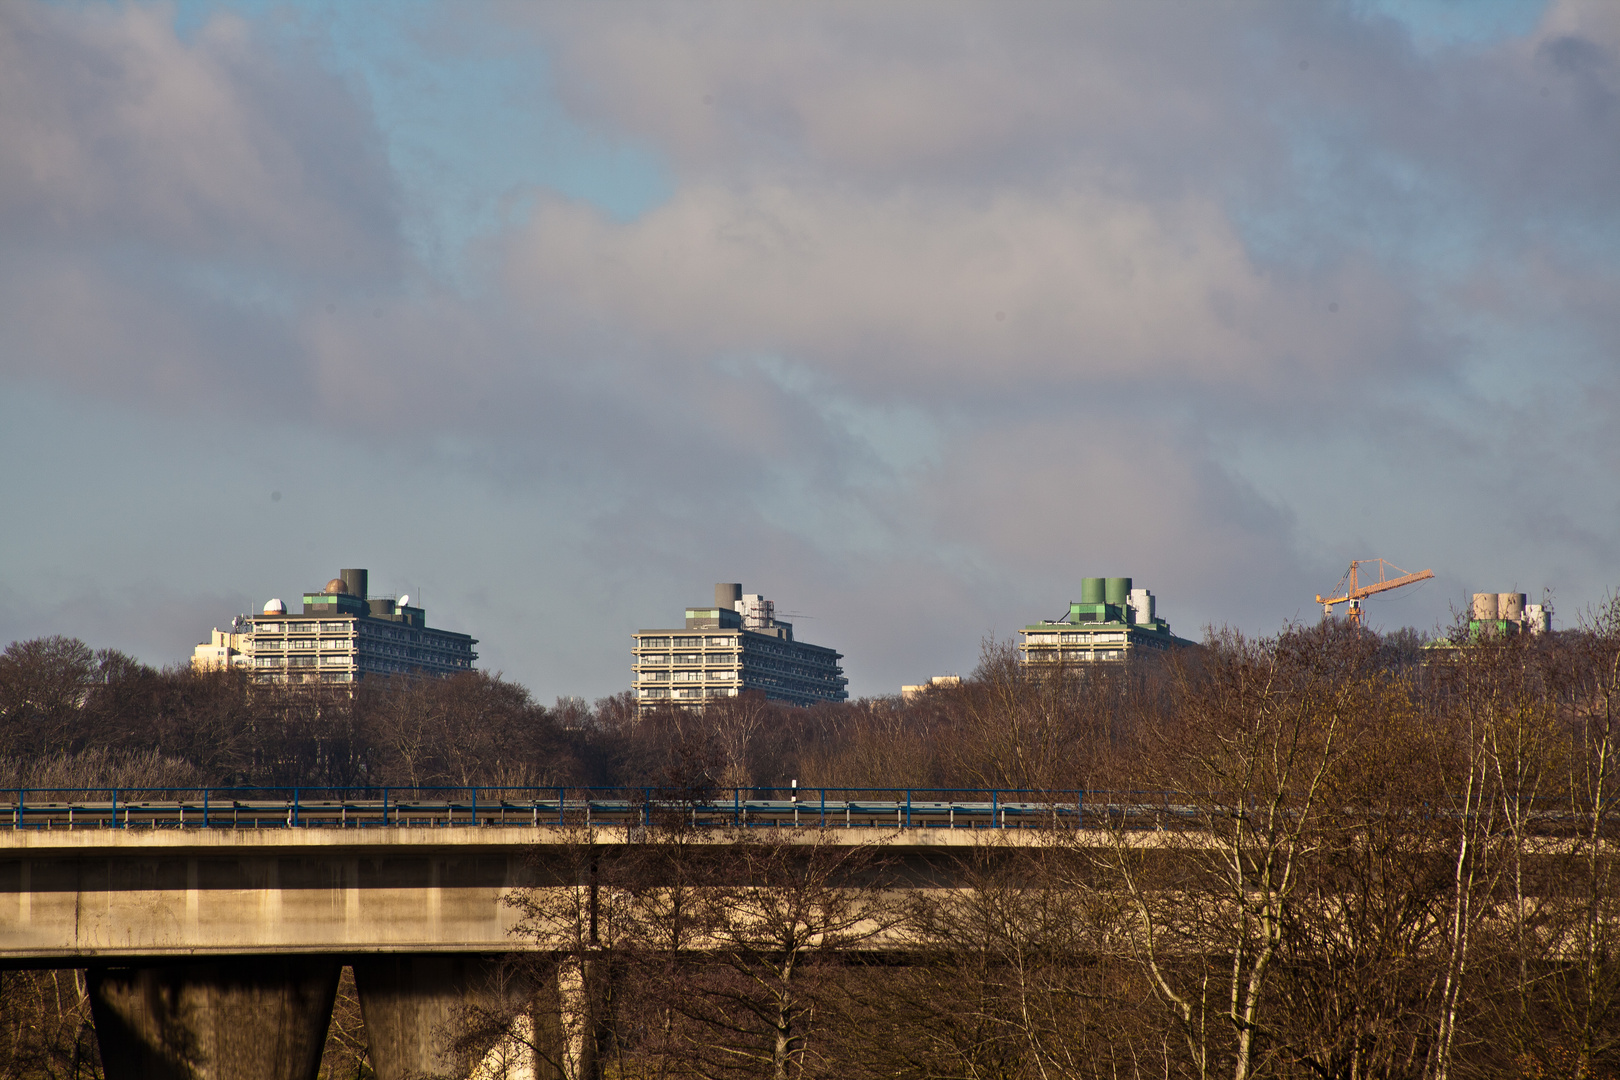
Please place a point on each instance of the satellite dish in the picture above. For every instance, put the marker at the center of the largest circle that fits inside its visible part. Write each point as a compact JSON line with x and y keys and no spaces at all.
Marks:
{"x":405,"y":601}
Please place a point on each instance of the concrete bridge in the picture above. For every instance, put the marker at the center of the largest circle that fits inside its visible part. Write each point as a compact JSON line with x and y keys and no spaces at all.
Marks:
{"x":213,"y":952}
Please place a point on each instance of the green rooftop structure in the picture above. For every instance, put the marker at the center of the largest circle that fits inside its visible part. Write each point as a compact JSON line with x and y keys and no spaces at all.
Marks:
{"x":1109,"y":623}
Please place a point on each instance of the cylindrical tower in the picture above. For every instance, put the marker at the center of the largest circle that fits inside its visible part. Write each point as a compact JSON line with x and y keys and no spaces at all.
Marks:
{"x":1484,"y":606}
{"x":1091,"y":590}
{"x":356,"y":581}
{"x":1117,"y":590}
{"x":1510,"y":606}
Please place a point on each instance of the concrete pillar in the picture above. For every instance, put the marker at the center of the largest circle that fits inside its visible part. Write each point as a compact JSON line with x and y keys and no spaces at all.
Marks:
{"x":259,"y":1018}
{"x":452,"y":1016}
{"x":581,"y":1017}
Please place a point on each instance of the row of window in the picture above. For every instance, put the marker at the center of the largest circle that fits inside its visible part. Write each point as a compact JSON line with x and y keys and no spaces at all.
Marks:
{"x":688,"y":676}
{"x":345,"y":628}
{"x":687,"y":658}
{"x":807,"y":664}
{"x":1050,"y":656}
{"x":718,"y":641}
{"x":661,"y":693}
{"x":1052,"y":638}
{"x":344,"y":660}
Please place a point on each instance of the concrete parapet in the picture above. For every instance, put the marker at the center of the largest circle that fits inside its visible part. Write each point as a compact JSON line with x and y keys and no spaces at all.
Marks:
{"x":256,"y":1018}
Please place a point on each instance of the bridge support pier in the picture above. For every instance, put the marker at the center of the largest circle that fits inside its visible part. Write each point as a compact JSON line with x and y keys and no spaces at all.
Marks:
{"x":258,"y":1018}
{"x":454,"y":1016}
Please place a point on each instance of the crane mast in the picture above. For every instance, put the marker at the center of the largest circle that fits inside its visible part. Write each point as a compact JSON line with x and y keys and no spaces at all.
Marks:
{"x":1352,"y":592}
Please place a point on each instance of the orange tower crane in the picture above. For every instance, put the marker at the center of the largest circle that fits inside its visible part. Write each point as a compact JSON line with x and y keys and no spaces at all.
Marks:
{"x":1352,"y":593}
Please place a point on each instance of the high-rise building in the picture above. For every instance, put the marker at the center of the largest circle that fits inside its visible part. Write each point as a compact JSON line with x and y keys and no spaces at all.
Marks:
{"x":1109,"y":623}
{"x":342,"y":636}
{"x":737,"y":645}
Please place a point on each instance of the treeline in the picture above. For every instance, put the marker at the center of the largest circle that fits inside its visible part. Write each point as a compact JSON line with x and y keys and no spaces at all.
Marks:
{"x":1321,"y":856}
{"x":72,"y":717}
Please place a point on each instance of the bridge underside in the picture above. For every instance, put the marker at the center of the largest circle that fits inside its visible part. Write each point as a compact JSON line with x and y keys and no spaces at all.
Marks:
{"x":265,"y":1018}
{"x":215,"y":954}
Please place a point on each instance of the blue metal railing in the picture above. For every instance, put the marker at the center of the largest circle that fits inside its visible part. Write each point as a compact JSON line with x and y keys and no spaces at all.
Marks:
{"x":366,"y":807}
{"x":827,"y":807}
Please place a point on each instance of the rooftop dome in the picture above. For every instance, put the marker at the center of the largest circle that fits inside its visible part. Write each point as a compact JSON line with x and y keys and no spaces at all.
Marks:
{"x":275,"y":607}
{"x":337,"y":587}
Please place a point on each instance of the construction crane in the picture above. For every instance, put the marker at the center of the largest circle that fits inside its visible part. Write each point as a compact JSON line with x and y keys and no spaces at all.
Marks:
{"x":1352,"y":593}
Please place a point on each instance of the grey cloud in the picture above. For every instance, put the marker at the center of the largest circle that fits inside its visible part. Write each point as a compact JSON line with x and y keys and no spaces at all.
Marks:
{"x":951,"y":304}
{"x":115,"y":131}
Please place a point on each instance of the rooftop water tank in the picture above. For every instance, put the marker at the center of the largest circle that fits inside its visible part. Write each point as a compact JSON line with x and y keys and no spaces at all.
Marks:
{"x":1484,"y":606}
{"x":1510,"y":606}
{"x":1117,"y":590}
{"x":1092,"y":591}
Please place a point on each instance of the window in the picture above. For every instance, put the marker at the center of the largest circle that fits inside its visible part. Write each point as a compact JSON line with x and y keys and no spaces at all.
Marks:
{"x":688,"y":643}
{"x":654,"y":692}
{"x":653,"y":642}
{"x":267,"y":661}
{"x":649,"y":658}
{"x":721,"y":676}
{"x":301,"y":628}
{"x":688,"y":658}
{"x":301,"y":643}
{"x":269,"y":646}
{"x":333,"y":661}
{"x":688,"y":676}
{"x":1040,"y":639}
{"x":300,"y":661}
{"x":727,"y":642}
{"x":656,"y":676}
{"x":268,"y":627}
{"x":335,"y":627}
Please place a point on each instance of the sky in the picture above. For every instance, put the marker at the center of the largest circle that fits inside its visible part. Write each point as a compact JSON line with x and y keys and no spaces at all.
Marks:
{"x":906,"y":315}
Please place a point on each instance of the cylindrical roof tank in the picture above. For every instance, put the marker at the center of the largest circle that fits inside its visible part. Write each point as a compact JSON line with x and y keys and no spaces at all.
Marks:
{"x":1484,"y":605}
{"x":1510,"y":606}
{"x":356,"y":581}
{"x":727,"y":594}
{"x":1091,"y":590}
{"x":1117,"y":591}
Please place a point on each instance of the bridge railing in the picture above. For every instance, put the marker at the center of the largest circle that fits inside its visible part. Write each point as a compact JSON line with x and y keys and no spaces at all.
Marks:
{"x":756,"y":807}
{"x":445,"y":807}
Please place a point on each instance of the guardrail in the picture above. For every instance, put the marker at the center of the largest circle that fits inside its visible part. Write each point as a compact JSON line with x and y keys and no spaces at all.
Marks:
{"x":446,"y":807}
{"x":312,"y":807}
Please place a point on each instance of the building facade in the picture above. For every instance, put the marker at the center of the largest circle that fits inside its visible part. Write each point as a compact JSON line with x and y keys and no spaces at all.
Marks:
{"x":734,"y":646}
{"x":224,"y":649}
{"x":343,"y":635}
{"x":1108,"y":624}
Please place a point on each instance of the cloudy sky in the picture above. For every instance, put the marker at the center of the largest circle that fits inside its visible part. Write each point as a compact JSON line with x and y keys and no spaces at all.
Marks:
{"x":906,"y":315}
